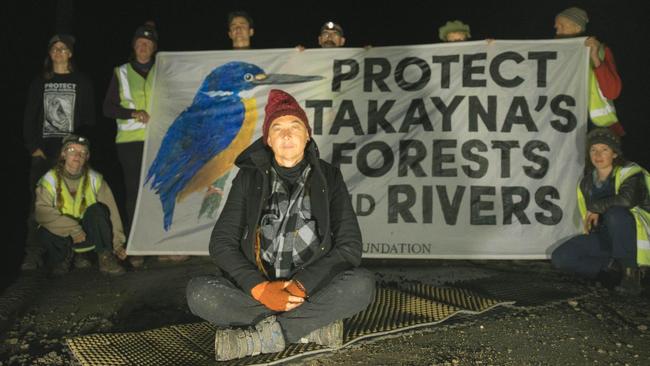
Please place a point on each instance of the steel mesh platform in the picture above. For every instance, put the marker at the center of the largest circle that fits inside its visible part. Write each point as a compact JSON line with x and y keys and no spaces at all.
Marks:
{"x":395,"y":308}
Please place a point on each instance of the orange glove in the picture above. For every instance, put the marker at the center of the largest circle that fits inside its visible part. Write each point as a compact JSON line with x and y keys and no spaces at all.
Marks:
{"x":296,"y":288}
{"x":274,"y":296}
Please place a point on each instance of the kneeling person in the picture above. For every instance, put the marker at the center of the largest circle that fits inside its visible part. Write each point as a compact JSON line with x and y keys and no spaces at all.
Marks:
{"x":614,"y":202}
{"x":77,"y":214}
{"x":287,"y":243}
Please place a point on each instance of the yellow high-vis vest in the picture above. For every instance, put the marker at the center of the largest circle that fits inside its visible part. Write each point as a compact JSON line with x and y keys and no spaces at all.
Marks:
{"x":72,"y":205}
{"x":135,"y":93}
{"x":641,"y":216}
{"x":601,"y":110}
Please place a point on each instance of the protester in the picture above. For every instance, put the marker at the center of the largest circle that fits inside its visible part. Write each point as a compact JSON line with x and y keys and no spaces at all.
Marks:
{"x":604,"y":82}
{"x":77,"y":214}
{"x":287,"y":244}
{"x":240,"y":29}
{"x":60,"y":101}
{"x":454,"y":31}
{"x":127,"y":101}
{"x":614,"y":202}
{"x":331,"y":35}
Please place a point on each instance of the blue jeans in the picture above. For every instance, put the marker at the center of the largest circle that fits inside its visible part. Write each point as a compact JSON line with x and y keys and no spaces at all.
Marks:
{"x":220,"y":302}
{"x":613,"y":238}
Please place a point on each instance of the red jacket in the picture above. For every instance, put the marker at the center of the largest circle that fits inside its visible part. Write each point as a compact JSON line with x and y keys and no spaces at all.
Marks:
{"x":610,"y":84}
{"x":607,"y":76}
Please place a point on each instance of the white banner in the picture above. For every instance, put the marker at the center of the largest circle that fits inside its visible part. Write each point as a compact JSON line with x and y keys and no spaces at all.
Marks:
{"x":455,"y":150}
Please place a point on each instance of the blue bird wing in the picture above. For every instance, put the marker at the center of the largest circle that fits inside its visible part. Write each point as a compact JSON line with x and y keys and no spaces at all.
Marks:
{"x":198,"y":134}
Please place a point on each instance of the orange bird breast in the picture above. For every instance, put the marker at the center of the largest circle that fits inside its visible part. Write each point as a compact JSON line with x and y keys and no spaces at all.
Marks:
{"x":224,"y":161}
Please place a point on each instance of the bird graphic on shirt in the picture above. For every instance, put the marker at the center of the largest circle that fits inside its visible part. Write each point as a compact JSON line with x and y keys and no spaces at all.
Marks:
{"x":204,"y":140}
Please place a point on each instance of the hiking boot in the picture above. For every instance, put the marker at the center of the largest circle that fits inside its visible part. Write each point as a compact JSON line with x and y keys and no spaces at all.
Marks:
{"x":59,"y":269}
{"x":266,"y":337}
{"x":173,"y":258}
{"x":108,"y":264}
{"x":611,"y":276}
{"x":31,"y":262}
{"x":137,"y":261}
{"x":81,"y":261}
{"x":631,"y":282}
{"x":33,"y":259}
{"x":330,"y":336}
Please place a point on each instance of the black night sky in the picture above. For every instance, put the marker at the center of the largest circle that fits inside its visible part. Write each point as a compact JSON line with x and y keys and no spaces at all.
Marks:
{"x":103,"y":30}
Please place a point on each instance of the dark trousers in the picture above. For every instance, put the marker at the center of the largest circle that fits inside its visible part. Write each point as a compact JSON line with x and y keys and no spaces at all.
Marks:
{"x":613,"y":238}
{"x":96,"y":223}
{"x":220,"y":302}
{"x":130,"y":155}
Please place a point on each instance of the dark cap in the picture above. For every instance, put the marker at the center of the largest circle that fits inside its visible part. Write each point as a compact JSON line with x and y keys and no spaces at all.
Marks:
{"x":75,"y":139}
{"x":332,"y":26}
{"x":603,"y":135}
{"x":147,"y":31}
{"x":66,"y":39}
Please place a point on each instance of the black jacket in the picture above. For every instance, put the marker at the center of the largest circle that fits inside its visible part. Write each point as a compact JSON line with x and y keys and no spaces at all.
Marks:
{"x":232,"y":244}
{"x":631,"y":193}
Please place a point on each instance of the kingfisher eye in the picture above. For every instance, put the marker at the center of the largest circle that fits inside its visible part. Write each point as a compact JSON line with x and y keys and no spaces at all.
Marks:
{"x":249,"y":77}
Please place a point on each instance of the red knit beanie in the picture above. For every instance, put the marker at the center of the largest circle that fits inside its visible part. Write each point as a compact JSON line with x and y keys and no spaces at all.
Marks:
{"x":281,"y":104}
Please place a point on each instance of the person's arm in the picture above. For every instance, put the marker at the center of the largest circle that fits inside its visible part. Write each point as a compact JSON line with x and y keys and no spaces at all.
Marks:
{"x":607,"y":76}
{"x":345,"y":252}
{"x":629,"y":195}
{"x":33,"y":111}
{"x":105,"y":196}
{"x":48,"y":216}
{"x":112,"y":107}
{"x":227,"y":234}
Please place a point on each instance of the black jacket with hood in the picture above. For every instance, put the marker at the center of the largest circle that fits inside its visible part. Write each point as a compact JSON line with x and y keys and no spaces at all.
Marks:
{"x":232,"y":244}
{"x":632,"y":192}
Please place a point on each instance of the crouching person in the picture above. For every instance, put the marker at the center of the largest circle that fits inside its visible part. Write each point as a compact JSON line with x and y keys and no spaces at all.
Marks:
{"x":287,"y":244}
{"x":614,"y":202}
{"x":77,"y":214}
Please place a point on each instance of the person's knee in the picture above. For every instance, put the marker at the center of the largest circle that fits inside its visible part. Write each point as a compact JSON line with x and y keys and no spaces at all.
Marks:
{"x":614,"y":216}
{"x":97,"y":210}
{"x":208,"y":291}
{"x":560,"y":257}
{"x":195,"y":291}
{"x":362,"y":285}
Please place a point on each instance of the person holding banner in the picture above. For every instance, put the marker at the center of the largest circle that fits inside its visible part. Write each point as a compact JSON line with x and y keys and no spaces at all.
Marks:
{"x":604,"y":82}
{"x":77,"y":214}
{"x":614,"y":203}
{"x":127,"y":101}
{"x":331,"y":35}
{"x":454,"y":31}
{"x":287,"y":244}
{"x":240,"y":29}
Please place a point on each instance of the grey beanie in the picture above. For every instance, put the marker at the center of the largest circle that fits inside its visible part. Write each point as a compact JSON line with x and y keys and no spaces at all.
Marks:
{"x":576,"y":15}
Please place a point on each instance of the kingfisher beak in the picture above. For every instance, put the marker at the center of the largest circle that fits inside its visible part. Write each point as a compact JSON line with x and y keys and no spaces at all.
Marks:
{"x":265,"y":79}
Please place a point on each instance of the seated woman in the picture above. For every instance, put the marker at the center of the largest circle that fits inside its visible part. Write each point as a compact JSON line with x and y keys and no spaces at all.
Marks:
{"x":287,"y":246}
{"x":77,"y":214}
{"x":614,"y":202}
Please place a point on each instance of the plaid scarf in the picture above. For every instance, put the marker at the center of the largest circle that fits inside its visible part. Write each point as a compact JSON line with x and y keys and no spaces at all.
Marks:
{"x":288,"y":231}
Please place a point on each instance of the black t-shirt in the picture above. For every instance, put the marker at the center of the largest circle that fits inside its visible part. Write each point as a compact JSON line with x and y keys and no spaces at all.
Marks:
{"x":56,"y":108}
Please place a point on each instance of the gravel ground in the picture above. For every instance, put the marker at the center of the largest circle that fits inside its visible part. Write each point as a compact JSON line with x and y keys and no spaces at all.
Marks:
{"x":597,"y":326}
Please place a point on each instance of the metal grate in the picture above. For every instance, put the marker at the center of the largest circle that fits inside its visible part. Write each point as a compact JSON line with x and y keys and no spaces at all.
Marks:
{"x":394,"y":309}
